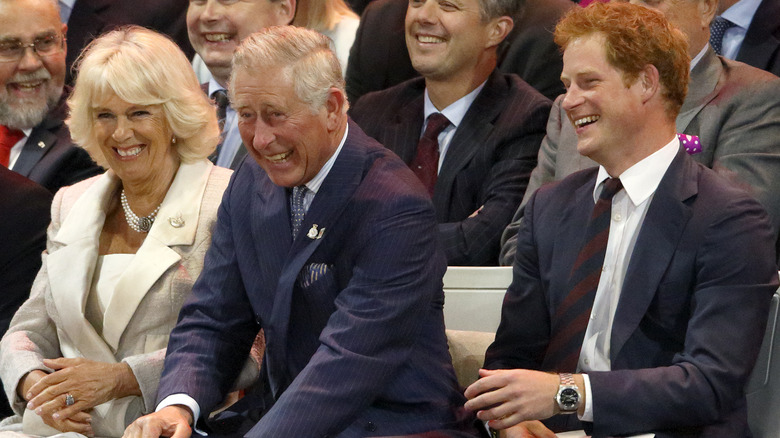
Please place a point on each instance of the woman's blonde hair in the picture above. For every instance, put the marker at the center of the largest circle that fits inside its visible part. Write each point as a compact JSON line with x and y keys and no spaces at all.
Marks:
{"x":142,"y":67}
{"x":321,"y":15}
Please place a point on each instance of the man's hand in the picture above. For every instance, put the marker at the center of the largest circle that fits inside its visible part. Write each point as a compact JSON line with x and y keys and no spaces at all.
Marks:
{"x":528,"y":429}
{"x":89,"y":382}
{"x":505,"y":398}
{"x":171,"y":421}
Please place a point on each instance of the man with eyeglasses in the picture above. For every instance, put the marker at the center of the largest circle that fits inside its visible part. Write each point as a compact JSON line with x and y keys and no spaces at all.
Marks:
{"x":34,"y":141}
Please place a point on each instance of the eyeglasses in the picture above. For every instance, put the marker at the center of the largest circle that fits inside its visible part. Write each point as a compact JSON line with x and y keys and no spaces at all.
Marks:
{"x":13,"y":51}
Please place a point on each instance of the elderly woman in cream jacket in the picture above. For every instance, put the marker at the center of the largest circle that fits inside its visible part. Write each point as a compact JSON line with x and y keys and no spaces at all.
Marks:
{"x":84,"y":354}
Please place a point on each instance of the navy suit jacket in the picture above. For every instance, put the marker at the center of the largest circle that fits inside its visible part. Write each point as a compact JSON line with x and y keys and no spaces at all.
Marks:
{"x":24,"y":216}
{"x":352,"y":311}
{"x":49,"y":156}
{"x":488,"y":162}
{"x":692,"y":310}
{"x":761,"y":47}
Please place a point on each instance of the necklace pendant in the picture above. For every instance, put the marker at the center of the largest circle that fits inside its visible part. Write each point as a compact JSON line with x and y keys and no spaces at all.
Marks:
{"x":145,"y":224}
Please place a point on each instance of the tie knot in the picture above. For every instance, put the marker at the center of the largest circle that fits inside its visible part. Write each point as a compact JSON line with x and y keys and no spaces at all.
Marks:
{"x":220,"y":98}
{"x":437,"y":122}
{"x":9,"y":136}
{"x":718,"y":28}
{"x":611,"y":187}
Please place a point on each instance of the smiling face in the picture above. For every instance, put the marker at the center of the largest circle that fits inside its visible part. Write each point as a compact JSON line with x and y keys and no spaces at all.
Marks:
{"x":216,"y":27}
{"x":135,"y":140}
{"x":603,"y":110}
{"x":447,"y":38}
{"x":30,"y":86}
{"x":281,"y":132}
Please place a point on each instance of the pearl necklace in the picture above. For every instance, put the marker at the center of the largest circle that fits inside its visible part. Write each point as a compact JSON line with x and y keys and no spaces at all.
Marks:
{"x":138,"y":224}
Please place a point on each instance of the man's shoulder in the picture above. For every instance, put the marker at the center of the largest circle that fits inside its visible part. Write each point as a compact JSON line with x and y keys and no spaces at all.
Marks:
{"x":739,"y":74}
{"x":395,"y":96}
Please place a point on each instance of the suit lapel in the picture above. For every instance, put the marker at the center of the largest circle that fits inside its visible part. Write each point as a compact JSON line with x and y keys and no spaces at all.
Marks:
{"x":403,"y":134}
{"x":702,"y":88}
{"x":155,"y":256}
{"x":473,"y":131}
{"x":79,"y":236}
{"x":666,"y":218}
{"x":41,"y":140}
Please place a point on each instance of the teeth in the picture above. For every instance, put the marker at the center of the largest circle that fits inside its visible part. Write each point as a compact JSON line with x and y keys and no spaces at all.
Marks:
{"x":279,"y":158}
{"x":586,"y":120}
{"x":429,"y":39}
{"x":217,"y":37}
{"x":29,"y":85}
{"x":131,"y":152}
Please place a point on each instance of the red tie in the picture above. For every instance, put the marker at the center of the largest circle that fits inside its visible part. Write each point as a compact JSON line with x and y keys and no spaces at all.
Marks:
{"x":571,"y":317}
{"x":8,"y":138}
{"x":426,"y":163}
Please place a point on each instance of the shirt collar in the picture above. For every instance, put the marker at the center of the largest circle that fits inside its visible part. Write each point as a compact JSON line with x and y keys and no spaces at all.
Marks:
{"x":641,"y":180}
{"x":214,"y":86}
{"x":699,"y":56}
{"x":742,"y":12}
{"x":456,"y":111}
{"x":315,"y":183}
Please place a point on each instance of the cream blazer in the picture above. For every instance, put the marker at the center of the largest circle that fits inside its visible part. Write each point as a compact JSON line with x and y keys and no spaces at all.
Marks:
{"x":145,"y":303}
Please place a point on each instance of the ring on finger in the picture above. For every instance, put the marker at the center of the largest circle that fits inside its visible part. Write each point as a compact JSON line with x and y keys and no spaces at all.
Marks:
{"x":69,"y":400}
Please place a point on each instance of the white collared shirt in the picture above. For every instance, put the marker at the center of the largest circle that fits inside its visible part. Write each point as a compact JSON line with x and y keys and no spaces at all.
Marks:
{"x":741,"y":14}
{"x":231,"y":141}
{"x":16,"y":150}
{"x":699,"y":56}
{"x":66,"y":8}
{"x":629,"y":207}
{"x":455,"y":113}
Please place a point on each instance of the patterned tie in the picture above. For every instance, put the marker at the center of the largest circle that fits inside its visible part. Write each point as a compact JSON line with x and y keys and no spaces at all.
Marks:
{"x":718,"y":28}
{"x":426,"y":163}
{"x":221,"y":99}
{"x":571,"y":318}
{"x":297,"y":208}
{"x":8,"y":138}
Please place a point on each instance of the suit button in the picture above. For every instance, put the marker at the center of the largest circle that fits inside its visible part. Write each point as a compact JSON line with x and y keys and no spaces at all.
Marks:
{"x":370,"y":427}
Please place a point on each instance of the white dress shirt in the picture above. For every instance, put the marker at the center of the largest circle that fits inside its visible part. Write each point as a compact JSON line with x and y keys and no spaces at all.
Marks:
{"x":741,"y":14}
{"x":629,"y":207}
{"x":16,"y":150}
{"x":231,"y":141}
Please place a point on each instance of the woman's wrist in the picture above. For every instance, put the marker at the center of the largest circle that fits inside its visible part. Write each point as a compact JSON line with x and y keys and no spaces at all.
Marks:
{"x":127,"y":384}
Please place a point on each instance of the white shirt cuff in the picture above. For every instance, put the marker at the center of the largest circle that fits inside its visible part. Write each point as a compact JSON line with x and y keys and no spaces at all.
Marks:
{"x":184,"y":400}
{"x":588,"y":414}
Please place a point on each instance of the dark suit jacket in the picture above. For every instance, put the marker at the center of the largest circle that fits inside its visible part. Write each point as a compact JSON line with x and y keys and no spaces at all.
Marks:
{"x":49,"y":156}
{"x":761,"y":47}
{"x":90,"y":18}
{"x":487,"y":165}
{"x":379,"y":58}
{"x":24,"y":215}
{"x":691,"y":315}
{"x":352,"y":310}
{"x":733,"y":108}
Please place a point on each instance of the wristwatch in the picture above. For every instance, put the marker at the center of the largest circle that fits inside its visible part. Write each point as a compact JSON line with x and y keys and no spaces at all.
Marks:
{"x":568,"y":397}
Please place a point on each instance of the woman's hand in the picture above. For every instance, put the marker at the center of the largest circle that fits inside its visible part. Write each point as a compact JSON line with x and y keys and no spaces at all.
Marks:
{"x":88,"y":382}
{"x":81,"y":422}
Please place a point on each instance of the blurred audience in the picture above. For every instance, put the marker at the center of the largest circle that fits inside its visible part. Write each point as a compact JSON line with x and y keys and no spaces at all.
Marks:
{"x":470,"y":132}
{"x":85,"y":352}
{"x":732,"y":107}
{"x":748,"y":31}
{"x":332,"y":18}
{"x":24,"y":216}
{"x":87,"y":19}
{"x":216,"y":28}
{"x":34,"y":141}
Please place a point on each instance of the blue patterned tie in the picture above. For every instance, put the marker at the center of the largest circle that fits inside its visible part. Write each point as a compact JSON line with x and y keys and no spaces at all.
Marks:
{"x":297,"y":209}
{"x":221,"y":99}
{"x":718,"y":28}
{"x":571,"y":317}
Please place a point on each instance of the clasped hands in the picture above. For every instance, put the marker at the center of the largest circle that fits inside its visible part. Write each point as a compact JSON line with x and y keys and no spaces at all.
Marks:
{"x":512,"y":401}
{"x":89,"y":383}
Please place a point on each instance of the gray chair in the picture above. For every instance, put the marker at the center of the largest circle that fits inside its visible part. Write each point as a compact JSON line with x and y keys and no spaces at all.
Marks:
{"x":763,"y":390}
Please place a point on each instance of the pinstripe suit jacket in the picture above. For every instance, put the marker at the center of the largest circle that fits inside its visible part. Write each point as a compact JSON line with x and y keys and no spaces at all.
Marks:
{"x":733,"y":108}
{"x":352,"y":310}
{"x":761,"y":46}
{"x":488,"y":163}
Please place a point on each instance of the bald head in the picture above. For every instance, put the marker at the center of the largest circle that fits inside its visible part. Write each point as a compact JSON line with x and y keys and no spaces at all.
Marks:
{"x":693,"y":17}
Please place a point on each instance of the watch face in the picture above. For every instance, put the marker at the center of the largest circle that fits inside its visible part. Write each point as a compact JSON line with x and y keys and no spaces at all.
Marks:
{"x":569,"y":399}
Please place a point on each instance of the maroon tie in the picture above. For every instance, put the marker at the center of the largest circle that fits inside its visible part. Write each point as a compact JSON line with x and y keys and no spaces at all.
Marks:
{"x":8,"y":138}
{"x":426,"y":163}
{"x":571,"y":317}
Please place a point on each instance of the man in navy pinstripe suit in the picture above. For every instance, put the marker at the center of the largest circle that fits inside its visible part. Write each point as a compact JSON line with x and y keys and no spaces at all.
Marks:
{"x":326,"y":241}
{"x":497,"y":121}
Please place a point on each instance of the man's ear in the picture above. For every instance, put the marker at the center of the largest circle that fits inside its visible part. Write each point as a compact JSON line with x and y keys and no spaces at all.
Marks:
{"x":335,"y":108}
{"x":650,"y":81}
{"x":707,"y":11}
{"x":498,"y":29}
{"x":286,"y":11}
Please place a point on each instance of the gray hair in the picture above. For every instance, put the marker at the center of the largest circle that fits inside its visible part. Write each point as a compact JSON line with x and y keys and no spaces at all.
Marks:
{"x":307,"y":57}
{"x":142,"y":67}
{"x":490,"y":9}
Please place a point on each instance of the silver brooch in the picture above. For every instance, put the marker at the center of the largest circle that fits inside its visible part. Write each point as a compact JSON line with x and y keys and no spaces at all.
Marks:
{"x":176,"y":222}
{"x":41,"y":144}
{"x":312,"y":234}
